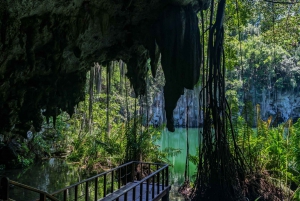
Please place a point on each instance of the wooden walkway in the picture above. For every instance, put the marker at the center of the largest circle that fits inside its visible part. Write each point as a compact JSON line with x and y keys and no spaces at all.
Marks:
{"x":132,"y":191}
{"x":123,"y":183}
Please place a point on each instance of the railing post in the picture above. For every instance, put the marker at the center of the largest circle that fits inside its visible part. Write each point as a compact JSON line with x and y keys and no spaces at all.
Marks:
{"x":133,"y":193}
{"x":112,"y":181}
{"x":104,"y":185}
{"x":132,"y":172}
{"x":119,"y":178}
{"x":166,"y":183}
{"x":153,"y":186}
{"x":125,"y":196}
{"x":166,"y":196}
{"x":147,"y":190}
{"x":157,"y":184}
{"x":96,"y":189}
{"x":76,"y":193}
{"x":125,"y":174}
{"x":86,"y":191}
{"x":141,"y":191}
{"x":167,"y":180}
{"x":65,"y":194}
{"x":4,"y":188}
{"x":163,"y":179}
{"x":42,"y":197}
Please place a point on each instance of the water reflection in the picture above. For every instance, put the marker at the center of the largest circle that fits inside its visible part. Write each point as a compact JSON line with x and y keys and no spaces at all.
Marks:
{"x":48,"y":176}
{"x":177,"y":140}
{"x":55,"y":174}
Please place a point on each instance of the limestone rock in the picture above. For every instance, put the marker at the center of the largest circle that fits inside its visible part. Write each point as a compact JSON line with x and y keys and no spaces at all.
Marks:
{"x":48,"y":46}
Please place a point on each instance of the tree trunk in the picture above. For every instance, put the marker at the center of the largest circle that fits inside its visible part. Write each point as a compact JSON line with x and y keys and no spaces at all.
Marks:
{"x":108,"y":83}
{"x":97,"y":76}
{"x":91,"y":98}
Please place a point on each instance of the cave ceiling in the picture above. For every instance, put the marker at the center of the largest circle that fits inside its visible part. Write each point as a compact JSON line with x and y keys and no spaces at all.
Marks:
{"x":47,"y":47}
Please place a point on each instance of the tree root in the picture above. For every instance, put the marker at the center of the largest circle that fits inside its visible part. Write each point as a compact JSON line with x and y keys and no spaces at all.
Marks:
{"x":185,"y":190}
{"x":261,"y":185}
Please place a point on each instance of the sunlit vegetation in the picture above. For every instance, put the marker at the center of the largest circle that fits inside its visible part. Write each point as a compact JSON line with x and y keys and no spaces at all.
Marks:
{"x":257,"y":147}
{"x":111,"y":126}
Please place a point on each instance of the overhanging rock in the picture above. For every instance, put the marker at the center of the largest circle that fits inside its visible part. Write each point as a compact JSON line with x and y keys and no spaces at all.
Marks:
{"x":48,"y":46}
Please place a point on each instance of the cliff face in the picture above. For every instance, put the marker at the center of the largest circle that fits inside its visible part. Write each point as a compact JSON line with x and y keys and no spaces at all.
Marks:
{"x":186,"y":112}
{"x":48,"y":46}
{"x":284,"y":107}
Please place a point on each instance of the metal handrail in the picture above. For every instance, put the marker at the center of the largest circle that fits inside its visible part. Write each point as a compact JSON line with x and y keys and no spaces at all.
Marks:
{"x":91,"y":178}
{"x":42,"y":193}
{"x":145,"y":179}
{"x":102,"y":174}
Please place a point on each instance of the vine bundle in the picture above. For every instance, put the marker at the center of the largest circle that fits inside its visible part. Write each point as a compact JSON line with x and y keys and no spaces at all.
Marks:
{"x":220,"y":168}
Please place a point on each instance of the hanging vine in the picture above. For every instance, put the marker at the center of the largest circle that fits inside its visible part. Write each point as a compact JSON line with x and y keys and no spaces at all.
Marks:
{"x":220,"y":169}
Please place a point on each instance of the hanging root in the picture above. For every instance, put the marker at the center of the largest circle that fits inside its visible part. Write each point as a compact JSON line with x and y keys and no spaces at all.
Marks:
{"x":185,"y":190}
{"x":221,"y":167}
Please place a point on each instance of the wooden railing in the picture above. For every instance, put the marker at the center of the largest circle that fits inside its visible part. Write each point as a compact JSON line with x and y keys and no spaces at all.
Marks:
{"x":101,"y":185}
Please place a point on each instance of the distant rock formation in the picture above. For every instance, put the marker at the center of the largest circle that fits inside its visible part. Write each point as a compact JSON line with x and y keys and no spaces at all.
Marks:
{"x":185,"y":114}
{"x":285,"y":107}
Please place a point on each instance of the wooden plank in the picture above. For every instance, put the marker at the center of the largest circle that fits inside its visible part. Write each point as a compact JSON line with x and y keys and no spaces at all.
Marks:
{"x":122,"y":191}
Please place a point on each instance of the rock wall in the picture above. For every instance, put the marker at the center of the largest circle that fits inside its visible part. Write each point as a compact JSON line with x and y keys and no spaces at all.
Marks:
{"x":282,"y":108}
{"x":46,"y":48}
{"x":286,"y":106}
{"x":185,"y":113}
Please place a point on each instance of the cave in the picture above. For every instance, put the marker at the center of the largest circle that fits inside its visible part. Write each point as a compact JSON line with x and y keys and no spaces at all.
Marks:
{"x":47,"y":47}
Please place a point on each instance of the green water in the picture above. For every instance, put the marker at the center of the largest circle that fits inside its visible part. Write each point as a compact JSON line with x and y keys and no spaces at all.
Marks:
{"x":177,"y":140}
{"x":49,"y":175}
{"x":54,"y":174}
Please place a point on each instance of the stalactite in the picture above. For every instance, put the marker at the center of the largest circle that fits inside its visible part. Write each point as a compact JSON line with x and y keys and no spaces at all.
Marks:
{"x":178,"y":38}
{"x":53,"y":46}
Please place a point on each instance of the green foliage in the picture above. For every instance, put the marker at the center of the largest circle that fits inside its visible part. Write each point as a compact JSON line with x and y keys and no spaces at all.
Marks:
{"x":28,"y":150}
{"x":272,"y":149}
{"x":297,"y":194}
{"x":262,"y":59}
{"x":140,"y":142}
{"x":98,"y":142}
{"x":92,"y":146}
{"x":194,"y":158}
{"x":261,"y":49}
